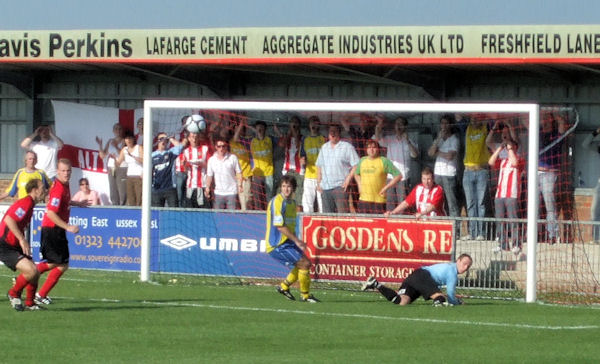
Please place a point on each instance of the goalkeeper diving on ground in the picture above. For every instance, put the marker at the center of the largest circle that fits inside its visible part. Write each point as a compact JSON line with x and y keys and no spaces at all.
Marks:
{"x":426,"y":282}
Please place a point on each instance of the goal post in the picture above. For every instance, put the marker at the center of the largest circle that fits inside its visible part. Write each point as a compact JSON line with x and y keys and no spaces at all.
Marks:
{"x":532,"y":112}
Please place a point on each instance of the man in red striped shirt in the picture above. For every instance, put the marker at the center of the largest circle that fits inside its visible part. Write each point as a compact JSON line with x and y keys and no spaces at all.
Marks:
{"x":195,"y":158}
{"x":295,"y":158}
{"x":506,"y":199}
{"x":55,"y":224}
{"x":15,"y":251}
{"x":427,"y":198}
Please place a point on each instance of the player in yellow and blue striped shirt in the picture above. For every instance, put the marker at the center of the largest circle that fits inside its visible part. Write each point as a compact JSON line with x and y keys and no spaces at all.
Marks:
{"x":284,"y":245}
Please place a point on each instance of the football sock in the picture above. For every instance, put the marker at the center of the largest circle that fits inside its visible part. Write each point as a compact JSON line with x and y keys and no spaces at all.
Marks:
{"x":17,"y":289}
{"x":439,"y":299}
{"x":290,"y":279}
{"x":42,"y":267}
{"x":389,"y":294}
{"x":51,"y":281}
{"x":30,"y":289}
{"x":304,"y":279}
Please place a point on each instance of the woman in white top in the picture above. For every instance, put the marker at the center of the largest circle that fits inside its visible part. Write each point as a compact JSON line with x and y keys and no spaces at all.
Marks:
{"x":116,"y":175}
{"x":132,"y":154}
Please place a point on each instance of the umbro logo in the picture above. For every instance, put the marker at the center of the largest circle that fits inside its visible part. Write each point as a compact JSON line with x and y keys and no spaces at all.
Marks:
{"x":178,"y":242}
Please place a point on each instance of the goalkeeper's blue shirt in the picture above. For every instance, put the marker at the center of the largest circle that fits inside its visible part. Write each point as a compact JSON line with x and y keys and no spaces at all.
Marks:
{"x":445,"y":274}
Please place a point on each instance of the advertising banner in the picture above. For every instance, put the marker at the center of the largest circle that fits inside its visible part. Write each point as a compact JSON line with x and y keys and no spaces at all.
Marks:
{"x":348,"y":248}
{"x":232,"y":243}
{"x":365,"y":45}
{"x":108,"y":238}
{"x":214,"y":243}
{"x":195,"y":242}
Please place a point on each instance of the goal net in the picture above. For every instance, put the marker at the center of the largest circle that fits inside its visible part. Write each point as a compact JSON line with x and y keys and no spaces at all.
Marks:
{"x":497,"y":197}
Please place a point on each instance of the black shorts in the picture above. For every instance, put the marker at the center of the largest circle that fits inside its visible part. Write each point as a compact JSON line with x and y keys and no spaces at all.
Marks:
{"x":419,"y":283}
{"x":11,"y":255}
{"x":54,"y":245}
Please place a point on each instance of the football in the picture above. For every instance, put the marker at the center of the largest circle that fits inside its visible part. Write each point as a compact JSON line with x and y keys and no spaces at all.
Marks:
{"x":195,"y":124}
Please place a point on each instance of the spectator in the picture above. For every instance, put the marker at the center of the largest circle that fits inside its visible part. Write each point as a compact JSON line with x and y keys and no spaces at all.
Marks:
{"x":163,"y":164}
{"x":240,"y":146}
{"x":336,"y":164}
{"x":180,"y":172}
{"x":427,"y":198}
{"x":400,"y":149}
{"x":359,"y":136}
{"x":551,"y":143}
{"x":195,"y":157}
{"x":261,"y":148}
{"x":117,"y":175}
{"x":133,"y":155}
{"x":295,"y":158}
{"x":22,"y":176}
{"x":371,"y":177}
{"x":86,"y":194}
{"x":592,"y":143}
{"x":139,"y":137}
{"x":445,"y":149}
{"x":225,"y":169}
{"x":507,"y":193}
{"x":46,"y":145}
{"x":311,"y":145}
{"x":476,"y":176}
{"x":501,"y":133}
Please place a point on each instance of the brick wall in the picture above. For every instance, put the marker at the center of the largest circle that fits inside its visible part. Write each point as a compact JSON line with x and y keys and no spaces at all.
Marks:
{"x":583,"y":203}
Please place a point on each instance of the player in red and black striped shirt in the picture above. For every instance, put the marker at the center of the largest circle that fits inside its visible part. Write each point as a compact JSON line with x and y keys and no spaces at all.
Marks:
{"x":54,"y":244}
{"x":15,"y":250}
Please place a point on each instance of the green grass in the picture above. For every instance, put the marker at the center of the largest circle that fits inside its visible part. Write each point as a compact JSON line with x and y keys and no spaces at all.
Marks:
{"x":110,"y":317}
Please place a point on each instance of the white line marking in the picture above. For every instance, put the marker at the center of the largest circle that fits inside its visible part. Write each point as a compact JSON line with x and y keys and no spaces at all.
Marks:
{"x":334,"y":314}
{"x":349,"y":315}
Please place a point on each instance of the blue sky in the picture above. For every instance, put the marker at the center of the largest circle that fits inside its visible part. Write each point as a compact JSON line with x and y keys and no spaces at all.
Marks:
{"x":153,"y":14}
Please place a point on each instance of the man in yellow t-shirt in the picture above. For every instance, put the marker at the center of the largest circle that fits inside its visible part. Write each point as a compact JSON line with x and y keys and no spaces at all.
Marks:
{"x":283,"y":244}
{"x":24,"y":175}
{"x":261,"y":148}
{"x":240,"y":146}
{"x":371,"y":177}
{"x":311,"y":145}
{"x":476,"y":176}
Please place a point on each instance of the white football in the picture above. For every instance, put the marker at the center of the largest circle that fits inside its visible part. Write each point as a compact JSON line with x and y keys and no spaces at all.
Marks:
{"x":195,"y":124}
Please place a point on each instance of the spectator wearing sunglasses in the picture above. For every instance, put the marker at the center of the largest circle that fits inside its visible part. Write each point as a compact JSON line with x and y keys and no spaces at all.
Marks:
{"x":224,"y":169}
{"x":85,"y":193}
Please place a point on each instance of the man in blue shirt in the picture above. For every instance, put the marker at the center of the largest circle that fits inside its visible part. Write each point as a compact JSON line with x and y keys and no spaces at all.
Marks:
{"x":163,"y":161}
{"x":426,"y":282}
{"x":336,"y":164}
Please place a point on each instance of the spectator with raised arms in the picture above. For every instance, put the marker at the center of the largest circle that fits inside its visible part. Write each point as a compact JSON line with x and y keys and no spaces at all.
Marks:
{"x":46,"y":145}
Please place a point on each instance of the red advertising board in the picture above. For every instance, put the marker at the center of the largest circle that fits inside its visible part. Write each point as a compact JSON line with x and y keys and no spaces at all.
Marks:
{"x":354,"y":248}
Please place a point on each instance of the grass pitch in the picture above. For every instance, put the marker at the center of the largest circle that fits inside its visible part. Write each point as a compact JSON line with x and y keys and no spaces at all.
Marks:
{"x":110,"y":317}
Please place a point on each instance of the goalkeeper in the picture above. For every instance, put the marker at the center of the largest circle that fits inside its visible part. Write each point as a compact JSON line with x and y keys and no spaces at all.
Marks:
{"x":426,"y":282}
{"x":284,"y":245}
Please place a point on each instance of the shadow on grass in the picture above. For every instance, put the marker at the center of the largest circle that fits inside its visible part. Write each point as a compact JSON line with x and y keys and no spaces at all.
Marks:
{"x":109,"y":305}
